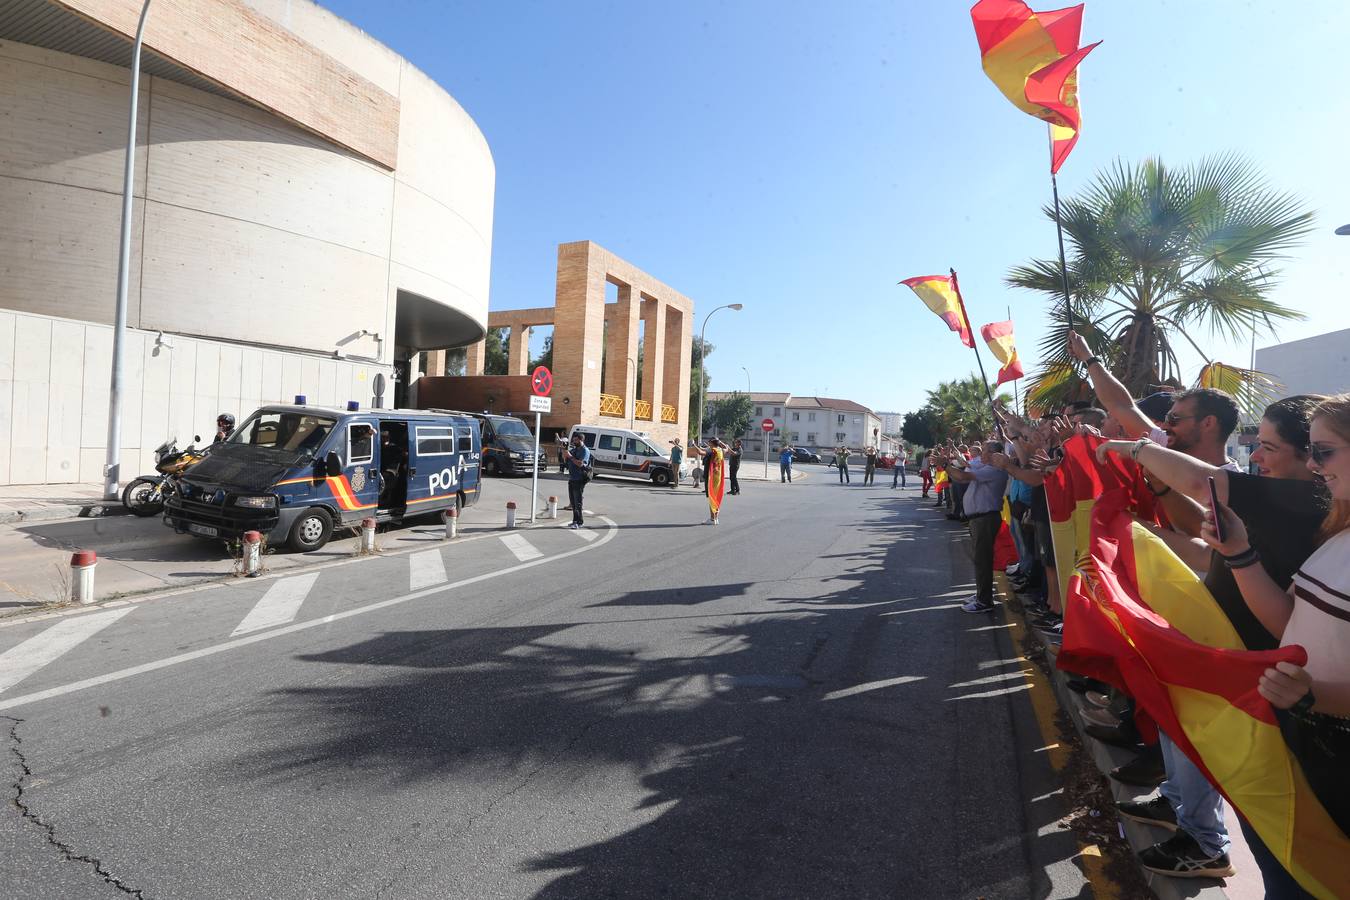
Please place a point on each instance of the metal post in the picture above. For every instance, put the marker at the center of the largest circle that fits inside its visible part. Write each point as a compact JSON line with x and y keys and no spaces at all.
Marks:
{"x":534,"y":482}
{"x":703,"y":363}
{"x":112,"y":461}
{"x":632,"y":405}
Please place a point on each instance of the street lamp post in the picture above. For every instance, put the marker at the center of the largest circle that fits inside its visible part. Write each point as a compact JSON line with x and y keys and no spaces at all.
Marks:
{"x":703,"y":363}
{"x":112,"y":461}
{"x":632,"y":407}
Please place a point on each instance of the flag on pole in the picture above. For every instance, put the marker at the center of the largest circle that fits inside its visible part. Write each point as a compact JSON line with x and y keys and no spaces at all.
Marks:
{"x":1137,"y":617}
{"x":1032,"y":57}
{"x":939,"y":295}
{"x":999,"y":337}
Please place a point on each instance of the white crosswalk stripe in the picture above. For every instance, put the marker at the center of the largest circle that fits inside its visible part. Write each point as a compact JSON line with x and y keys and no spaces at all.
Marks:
{"x":523,"y":549}
{"x":425,"y":569}
{"x":20,"y":661}
{"x":585,"y":534}
{"x":279,"y":605}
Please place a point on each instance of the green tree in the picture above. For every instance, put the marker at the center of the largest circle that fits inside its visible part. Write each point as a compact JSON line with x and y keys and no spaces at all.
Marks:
{"x":545,"y":358}
{"x":959,"y":410}
{"x":698,"y":375}
{"x":918,"y":428}
{"x":1159,"y":255}
{"x":496,"y":354}
{"x":730,"y":415}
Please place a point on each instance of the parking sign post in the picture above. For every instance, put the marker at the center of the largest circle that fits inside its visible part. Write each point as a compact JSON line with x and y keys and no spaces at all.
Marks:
{"x":766,"y":426}
{"x":541,"y":382}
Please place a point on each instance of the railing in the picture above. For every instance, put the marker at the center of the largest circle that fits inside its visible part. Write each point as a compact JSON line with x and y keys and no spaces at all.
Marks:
{"x":667,"y":413}
{"x":642,"y":409}
{"x":611,"y":405}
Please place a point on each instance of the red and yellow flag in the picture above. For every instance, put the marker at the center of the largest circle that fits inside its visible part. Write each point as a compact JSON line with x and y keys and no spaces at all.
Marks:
{"x":999,"y":337}
{"x":1032,"y":57}
{"x":939,"y":294}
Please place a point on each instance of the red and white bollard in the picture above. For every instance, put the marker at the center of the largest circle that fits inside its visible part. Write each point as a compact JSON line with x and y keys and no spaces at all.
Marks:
{"x":368,"y":535}
{"x":252,"y":554}
{"x":553,"y":507}
{"x":451,"y":522}
{"x":510,"y":514}
{"x":82,"y":563}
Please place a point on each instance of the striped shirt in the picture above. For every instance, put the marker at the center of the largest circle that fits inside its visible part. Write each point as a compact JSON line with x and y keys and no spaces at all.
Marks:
{"x":1321,"y":618}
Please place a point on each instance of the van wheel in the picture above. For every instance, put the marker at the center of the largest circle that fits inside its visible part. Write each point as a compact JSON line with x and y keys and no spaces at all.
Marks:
{"x":311,"y":531}
{"x":490,"y":466}
{"x":661,"y":478}
{"x":459,"y":501}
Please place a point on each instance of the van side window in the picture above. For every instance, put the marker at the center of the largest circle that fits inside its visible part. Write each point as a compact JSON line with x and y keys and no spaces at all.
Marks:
{"x":465,"y":439}
{"x":587,"y":438}
{"x":640,"y":448}
{"x":360,"y":443}
{"x":611,"y":442}
{"x":435,"y":440}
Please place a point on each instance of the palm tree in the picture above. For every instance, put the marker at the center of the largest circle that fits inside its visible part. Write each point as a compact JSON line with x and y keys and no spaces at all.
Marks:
{"x":1160,"y":255}
{"x":960,"y":409}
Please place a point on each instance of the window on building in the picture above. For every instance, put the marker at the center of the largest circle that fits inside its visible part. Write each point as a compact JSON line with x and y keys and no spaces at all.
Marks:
{"x":811,"y":438}
{"x":796,"y":437}
{"x":810,"y":417}
{"x":777,"y":411}
{"x":841,"y":418}
{"x":759,"y":411}
{"x":796,"y":417}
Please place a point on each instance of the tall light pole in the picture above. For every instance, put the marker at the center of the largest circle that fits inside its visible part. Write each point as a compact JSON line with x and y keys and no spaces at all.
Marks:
{"x":112,"y":462}
{"x":632,"y":407}
{"x":703,"y":363}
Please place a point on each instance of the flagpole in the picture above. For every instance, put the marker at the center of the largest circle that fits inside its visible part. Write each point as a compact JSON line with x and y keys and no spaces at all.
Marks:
{"x":1017,"y":397}
{"x":974,"y":345}
{"x":1059,"y":227}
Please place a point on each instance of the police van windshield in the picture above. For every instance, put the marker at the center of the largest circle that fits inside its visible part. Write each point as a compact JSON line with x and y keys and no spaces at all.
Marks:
{"x":298,"y":433}
{"x":511,"y":428}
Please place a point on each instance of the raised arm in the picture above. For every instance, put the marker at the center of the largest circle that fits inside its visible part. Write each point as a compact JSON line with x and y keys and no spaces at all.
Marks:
{"x":1114,"y":396}
{"x":1179,"y":471}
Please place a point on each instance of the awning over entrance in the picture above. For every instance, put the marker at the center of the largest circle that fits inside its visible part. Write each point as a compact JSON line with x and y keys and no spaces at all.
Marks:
{"x":423,"y":324}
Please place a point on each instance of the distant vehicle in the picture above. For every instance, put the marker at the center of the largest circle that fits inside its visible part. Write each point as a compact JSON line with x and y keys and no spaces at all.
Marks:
{"x":294,"y":472}
{"x":806,"y":456}
{"x":508,"y":444}
{"x":629,"y":454}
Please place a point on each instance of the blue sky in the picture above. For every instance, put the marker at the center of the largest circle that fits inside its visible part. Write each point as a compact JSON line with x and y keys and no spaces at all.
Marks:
{"x":801,"y":158}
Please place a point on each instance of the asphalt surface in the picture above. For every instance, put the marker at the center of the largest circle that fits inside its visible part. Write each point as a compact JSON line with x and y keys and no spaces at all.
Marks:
{"x":787,"y":704}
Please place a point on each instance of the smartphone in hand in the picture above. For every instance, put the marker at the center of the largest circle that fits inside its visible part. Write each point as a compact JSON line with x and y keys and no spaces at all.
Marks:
{"x":1219,"y":531}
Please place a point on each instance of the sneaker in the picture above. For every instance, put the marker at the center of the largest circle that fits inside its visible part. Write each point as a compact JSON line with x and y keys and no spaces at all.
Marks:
{"x":709,"y":522}
{"x":1181,"y":857}
{"x":1145,"y":770}
{"x":1154,"y":811}
{"x":975,"y":605}
{"x":574,"y":526}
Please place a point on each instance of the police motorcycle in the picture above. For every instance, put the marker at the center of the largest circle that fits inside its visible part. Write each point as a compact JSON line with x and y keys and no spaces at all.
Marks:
{"x":296,"y":472}
{"x":146,"y":495}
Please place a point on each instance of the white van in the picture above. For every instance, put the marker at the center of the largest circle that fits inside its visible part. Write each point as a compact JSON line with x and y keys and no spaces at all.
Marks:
{"x":618,"y":451}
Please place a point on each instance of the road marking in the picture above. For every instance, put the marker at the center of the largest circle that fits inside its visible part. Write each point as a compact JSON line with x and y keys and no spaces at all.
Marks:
{"x":585,"y":534}
{"x":523,"y":549}
{"x":871,"y":686}
{"x":425,"y":568}
{"x":22,"y":660}
{"x":292,"y":629}
{"x":279,"y":605}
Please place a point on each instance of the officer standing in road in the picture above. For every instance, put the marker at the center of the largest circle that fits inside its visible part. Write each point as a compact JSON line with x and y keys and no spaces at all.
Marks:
{"x":734,"y":464}
{"x":578,"y":471}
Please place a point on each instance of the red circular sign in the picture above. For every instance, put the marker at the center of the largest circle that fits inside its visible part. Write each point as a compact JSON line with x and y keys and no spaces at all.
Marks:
{"x":541,"y":381}
{"x":766,"y":425}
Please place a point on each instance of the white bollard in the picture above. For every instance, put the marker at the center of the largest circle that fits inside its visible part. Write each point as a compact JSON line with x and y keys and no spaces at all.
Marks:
{"x":451,"y":522}
{"x":368,"y":535}
{"x":553,"y":507}
{"x":82,"y":563}
{"x":252,"y":552}
{"x":510,"y":514}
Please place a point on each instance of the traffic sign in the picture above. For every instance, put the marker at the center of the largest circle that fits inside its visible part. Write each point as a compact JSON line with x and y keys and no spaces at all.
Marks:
{"x":766,"y":425}
{"x":541,"y":381}
{"x":541,"y":404}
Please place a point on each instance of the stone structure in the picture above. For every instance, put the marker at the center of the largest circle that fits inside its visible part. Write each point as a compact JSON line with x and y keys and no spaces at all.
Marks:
{"x":581,"y":319}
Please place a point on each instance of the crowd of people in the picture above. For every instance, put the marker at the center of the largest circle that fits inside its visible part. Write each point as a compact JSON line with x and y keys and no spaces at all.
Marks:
{"x":1280,"y":572}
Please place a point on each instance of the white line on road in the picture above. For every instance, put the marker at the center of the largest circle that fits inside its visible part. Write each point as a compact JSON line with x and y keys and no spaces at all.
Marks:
{"x":521,"y":548}
{"x":20,"y":661}
{"x":871,"y":686}
{"x":290,"y":629}
{"x":585,"y":534}
{"x":425,"y":568}
{"x":281,"y":604}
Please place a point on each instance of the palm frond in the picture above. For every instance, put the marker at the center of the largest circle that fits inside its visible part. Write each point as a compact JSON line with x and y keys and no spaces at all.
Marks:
{"x":1253,"y":390}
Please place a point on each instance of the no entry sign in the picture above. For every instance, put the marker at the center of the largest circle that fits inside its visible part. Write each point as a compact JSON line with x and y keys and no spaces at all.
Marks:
{"x":541,"y":381}
{"x":766,"y":425}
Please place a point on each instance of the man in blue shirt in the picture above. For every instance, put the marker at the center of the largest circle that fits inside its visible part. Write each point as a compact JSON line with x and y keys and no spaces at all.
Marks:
{"x":785,"y":463}
{"x":983,"y":506}
{"x":578,"y":468}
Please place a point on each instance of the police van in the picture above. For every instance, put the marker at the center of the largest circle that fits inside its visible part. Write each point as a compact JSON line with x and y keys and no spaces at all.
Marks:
{"x":295,"y":472}
{"x":618,"y":451}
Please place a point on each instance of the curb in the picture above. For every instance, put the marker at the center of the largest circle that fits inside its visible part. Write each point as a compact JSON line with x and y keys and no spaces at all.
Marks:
{"x":97,"y":510}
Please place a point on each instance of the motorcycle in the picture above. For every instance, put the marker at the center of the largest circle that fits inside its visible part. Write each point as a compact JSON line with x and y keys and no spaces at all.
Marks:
{"x":145,"y":496}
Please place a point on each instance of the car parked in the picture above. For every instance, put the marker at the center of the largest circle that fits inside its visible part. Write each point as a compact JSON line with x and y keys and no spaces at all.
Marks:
{"x":628,"y":454}
{"x":800,"y":454}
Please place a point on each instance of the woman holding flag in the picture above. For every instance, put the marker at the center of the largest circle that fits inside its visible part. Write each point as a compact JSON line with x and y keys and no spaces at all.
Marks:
{"x":714,"y":466}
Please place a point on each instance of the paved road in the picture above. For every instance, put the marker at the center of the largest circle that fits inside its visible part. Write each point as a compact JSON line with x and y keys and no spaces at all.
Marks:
{"x":784,"y":705}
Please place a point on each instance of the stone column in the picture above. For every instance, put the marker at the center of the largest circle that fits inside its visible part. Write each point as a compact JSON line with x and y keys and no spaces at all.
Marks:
{"x":474,"y":355}
{"x":653,"y":354}
{"x":621,"y":346}
{"x":518,"y":350}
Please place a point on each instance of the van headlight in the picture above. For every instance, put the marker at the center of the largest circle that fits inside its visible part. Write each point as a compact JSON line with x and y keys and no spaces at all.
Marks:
{"x":264,"y":502}
{"x":517,"y":455}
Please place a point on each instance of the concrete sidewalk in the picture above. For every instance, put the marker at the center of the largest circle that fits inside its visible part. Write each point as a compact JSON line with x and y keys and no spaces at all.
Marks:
{"x":43,"y":502}
{"x":136,"y":555}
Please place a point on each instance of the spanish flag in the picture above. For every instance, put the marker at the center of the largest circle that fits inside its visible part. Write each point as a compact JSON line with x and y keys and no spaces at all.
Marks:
{"x":940,"y":481}
{"x":939,"y":294}
{"x":999,"y":337}
{"x":1137,"y":617}
{"x":1032,"y":57}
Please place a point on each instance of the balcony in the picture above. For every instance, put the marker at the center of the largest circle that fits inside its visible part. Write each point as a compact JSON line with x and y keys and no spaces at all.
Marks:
{"x":642,"y":409}
{"x":611,"y":405}
{"x":668,"y":413}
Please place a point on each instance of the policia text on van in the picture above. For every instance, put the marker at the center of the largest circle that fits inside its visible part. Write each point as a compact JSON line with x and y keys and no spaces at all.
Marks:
{"x":294,"y":472}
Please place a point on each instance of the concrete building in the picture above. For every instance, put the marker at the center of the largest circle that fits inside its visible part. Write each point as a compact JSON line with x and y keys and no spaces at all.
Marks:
{"x":767,"y":406}
{"x":828,"y":422}
{"x":311,"y":211}
{"x":891,"y":422}
{"x":1315,"y":365}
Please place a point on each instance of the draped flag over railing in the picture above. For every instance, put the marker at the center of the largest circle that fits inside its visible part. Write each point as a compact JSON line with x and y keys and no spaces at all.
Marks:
{"x":999,"y":337}
{"x":1032,"y":57}
{"x":939,"y":294}
{"x":1137,"y":617}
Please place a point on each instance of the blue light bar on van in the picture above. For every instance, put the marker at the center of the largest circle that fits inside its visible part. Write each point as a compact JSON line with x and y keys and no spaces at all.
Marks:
{"x":300,"y":399}
{"x":353,"y":406}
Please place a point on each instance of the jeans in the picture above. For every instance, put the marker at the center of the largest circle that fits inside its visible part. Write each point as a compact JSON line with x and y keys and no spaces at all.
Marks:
{"x":843,"y":474}
{"x":575,"y":488}
{"x":785,"y":472}
{"x":983,"y":530}
{"x":1198,"y":806}
{"x":868,"y":473}
{"x":898,"y":474}
{"x":735,"y":485}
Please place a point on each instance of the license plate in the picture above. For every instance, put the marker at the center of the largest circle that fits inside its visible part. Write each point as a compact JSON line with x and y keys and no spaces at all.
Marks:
{"x":204,"y":530}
